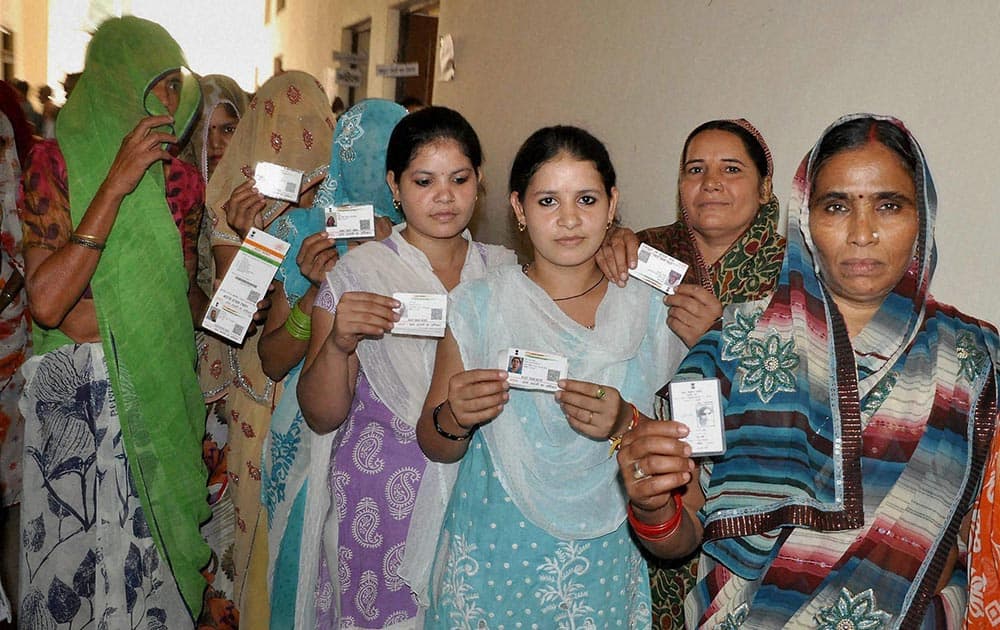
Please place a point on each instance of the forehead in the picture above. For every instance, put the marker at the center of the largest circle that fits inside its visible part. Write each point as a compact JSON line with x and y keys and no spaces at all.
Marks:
{"x":566,"y":171}
{"x":713,"y":142}
{"x":440,"y":151}
{"x":872,"y":167}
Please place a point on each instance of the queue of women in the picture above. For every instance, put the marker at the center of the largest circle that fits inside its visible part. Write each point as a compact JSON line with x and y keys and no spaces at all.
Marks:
{"x":329,"y":473}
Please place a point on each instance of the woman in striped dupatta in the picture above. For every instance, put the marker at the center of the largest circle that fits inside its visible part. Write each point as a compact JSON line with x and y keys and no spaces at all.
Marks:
{"x":858,"y":413}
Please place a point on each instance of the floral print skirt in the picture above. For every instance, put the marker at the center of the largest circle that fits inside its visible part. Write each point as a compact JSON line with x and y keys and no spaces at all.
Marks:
{"x":88,"y":557}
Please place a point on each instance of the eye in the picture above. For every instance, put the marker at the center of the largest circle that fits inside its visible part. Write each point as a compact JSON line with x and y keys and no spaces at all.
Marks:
{"x":733,"y":169}
{"x":835,"y":208}
{"x":229,"y":130}
{"x":174,"y":85}
{"x":695,"y":170}
{"x":890,"y":206}
{"x":588,"y":200}
{"x":423,"y":182}
{"x":547,"y":202}
{"x":461,"y":179}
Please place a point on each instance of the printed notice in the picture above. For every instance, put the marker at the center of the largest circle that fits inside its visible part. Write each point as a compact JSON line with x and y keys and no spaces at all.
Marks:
{"x":354,"y":221}
{"x":277,"y":182}
{"x":421,"y":314}
{"x":235,"y":302}
{"x":658,"y":270}
{"x":698,"y":405}
{"x":533,"y":370}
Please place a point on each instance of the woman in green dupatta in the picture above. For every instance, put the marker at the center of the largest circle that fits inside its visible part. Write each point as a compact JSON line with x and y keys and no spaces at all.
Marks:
{"x":727,"y":233}
{"x":114,"y":482}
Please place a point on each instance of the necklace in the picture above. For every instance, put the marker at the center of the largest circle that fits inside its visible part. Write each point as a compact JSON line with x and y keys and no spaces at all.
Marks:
{"x":524,"y":270}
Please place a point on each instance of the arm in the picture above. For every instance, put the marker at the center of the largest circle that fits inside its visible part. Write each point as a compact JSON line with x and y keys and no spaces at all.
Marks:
{"x":654,"y":449}
{"x":279,"y":350}
{"x":467,"y":399}
{"x":326,"y":385}
{"x":56,"y":279}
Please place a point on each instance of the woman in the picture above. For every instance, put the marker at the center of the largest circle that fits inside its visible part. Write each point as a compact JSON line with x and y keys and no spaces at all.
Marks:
{"x":727,"y":232}
{"x":288,"y":123}
{"x":534,"y":534}
{"x":356,"y":175}
{"x":113,"y":414}
{"x":862,"y":405}
{"x":368,"y":384}
{"x":15,"y":340}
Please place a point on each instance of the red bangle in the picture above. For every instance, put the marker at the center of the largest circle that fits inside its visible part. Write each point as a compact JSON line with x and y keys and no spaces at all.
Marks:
{"x":656,"y":533}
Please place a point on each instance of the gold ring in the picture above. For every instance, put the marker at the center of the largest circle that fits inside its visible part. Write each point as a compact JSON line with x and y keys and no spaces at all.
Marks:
{"x":637,"y":472}
{"x":600,"y":393}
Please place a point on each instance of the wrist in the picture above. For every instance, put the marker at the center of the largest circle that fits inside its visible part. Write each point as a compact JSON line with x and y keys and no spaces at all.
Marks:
{"x":662,"y":527}
{"x":631,"y":416}
{"x":437,"y":416}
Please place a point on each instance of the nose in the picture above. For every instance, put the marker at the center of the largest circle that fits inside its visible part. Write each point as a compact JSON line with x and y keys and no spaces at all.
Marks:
{"x":862,"y":229}
{"x":711,"y":180}
{"x":444,"y":193}
{"x":569,"y":216}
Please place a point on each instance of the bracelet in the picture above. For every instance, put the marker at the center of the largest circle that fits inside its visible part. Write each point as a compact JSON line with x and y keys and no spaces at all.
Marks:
{"x":657,"y":533}
{"x":445,"y":434}
{"x":616,"y":441}
{"x":86,"y":240}
{"x":298,"y":324}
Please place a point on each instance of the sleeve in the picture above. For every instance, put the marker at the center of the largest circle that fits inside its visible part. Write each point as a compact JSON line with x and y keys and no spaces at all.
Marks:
{"x":43,"y":202}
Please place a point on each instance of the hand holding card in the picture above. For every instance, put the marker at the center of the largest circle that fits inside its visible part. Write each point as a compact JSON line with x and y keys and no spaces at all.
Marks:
{"x":533,"y":370}
{"x":698,"y":405}
{"x":421,"y":314}
{"x":658,"y":270}
{"x":277,"y":181}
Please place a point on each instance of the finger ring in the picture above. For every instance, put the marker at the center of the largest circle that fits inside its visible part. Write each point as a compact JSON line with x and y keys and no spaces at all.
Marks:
{"x":637,"y":472}
{"x":600,"y":393}
{"x":590,"y":420}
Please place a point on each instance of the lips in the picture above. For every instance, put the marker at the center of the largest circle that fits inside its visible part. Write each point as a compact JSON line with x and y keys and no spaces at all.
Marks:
{"x":444,"y":217}
{"x":862,"y":266}
{"x":570,"y":241}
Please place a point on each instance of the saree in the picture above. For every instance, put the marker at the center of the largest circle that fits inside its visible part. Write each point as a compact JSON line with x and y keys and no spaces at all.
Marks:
{"x":747,"y":271}
{"x":156,"y":403}
{"x":356,"y":174}
{"x":866,"y":453}
{"x":289,"y":123}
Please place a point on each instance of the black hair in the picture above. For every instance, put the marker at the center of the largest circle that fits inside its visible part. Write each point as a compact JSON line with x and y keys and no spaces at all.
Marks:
{"x":756,"y":151}
{"x":856,"y":133}
{"x":429,"y":125}
{"x":547,"y":143}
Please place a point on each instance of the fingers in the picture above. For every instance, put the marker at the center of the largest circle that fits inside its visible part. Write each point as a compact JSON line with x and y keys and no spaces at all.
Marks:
{"x":149,"y":123}
{"x":614,"y":258}
{"x":477,"y":396}
{"x":654,"y":461}
{"x":693,"y":311}
{"x":590,"y":408}
{"x":316,"y":256}
{"x":360,"y":313}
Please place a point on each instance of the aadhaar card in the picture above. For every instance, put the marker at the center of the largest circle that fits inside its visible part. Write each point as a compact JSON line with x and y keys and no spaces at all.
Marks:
{"x":235,"y":302}
{"x":698,"y":405}
{"x":352,"y":221}
{"x":533,"y":370}
{"x":277,"y":181}
{"x":658,"y":270}
{"x":421,"y":314}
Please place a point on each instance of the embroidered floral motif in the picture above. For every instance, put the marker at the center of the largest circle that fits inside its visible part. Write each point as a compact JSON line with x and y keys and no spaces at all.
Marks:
{"x":276,"y":141}
{"x":735,"y":619}
{"x":247,"y":171}
{"x":293,"y":94}
{"x":768,"y":366}
{"x":559,"y":592}
{"x":307,"y":139}
{"x":879,"y":394}
{"x":350,"y":132}
{"x":253,"y":103}
{"x":852,"y":612}
{"x":970,"y":356}
{"x":269,"y":107}
{"x":736,"y":336}
{"x":284,"y":447}
{"x":455,"y":589}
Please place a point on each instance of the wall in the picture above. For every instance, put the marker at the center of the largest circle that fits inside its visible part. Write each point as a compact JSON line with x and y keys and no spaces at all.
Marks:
{"x":641,"y":77}
{"x":28,"y":19}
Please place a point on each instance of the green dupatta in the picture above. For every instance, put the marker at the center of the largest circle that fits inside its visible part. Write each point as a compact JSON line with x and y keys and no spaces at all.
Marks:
{"x":140,"y":289}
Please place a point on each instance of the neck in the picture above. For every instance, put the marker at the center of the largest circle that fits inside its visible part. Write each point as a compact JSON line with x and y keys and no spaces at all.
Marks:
{"x":562,"y":282}
{"x":856,"y":316}
{"x":713,"y":247}
{"x":444,"y":254}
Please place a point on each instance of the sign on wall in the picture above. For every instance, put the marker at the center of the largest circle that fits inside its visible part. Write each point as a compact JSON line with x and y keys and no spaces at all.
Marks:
{"x":398,"y":70}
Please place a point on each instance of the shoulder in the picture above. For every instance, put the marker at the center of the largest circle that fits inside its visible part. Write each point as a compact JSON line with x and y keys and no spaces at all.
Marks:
{"x":495,"y":255}
{"x":46,"y":154}
{"x":492,"y":282}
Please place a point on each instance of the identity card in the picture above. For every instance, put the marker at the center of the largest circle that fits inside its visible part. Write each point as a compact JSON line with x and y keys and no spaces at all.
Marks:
{"x":235,"y":302}
{"x":533,"y":370}
{"x":421,"y":314}
{"x":658,"y":270}
{"x":698,"y":404}
{"x":351,"y":221}
{"x":277,"y":182}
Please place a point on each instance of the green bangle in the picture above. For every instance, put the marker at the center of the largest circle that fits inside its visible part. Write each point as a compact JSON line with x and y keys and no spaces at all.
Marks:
{"x":298,"y":324}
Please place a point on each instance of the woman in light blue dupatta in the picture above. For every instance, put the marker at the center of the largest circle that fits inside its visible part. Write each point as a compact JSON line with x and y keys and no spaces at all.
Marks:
{"x":356,"y":175}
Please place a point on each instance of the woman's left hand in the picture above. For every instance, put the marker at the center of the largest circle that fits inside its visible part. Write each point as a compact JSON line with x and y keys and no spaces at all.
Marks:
{"x":316,"y":257}
{"x":591,"y":409}
{"x":693,"y":311}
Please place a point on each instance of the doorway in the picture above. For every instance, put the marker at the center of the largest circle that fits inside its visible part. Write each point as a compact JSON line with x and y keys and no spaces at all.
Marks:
{"x":418,"y":28}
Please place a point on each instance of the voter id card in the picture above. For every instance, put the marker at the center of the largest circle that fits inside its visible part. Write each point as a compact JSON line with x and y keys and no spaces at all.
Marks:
{"x":698,"y":405}
{"x":658,"y":270}
{"x":277,"y":182}
{"x":421,"y":314}
{"x":351,"y":221}
{"x":534,"y":370}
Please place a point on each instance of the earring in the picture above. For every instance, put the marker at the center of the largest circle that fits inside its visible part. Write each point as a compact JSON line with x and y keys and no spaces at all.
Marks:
{"x":521,"y":227}
{"x":608,"y":226}
{"x":397,"y":204}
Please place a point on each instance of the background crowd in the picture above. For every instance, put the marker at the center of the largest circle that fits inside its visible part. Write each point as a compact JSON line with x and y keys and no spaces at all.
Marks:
{"x":329,"y":473}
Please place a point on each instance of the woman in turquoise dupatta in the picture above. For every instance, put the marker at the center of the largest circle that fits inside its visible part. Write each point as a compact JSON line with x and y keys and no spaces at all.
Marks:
{"x":356,"y":176}
{"x":858,"y":411}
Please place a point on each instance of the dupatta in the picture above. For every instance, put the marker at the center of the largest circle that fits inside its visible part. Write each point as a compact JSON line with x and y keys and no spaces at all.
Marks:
{"x":140,"y":288}
{"x":805,"y":404}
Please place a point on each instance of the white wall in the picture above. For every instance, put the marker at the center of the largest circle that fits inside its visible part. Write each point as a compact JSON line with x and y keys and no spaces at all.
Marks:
{"x":641,"y":74}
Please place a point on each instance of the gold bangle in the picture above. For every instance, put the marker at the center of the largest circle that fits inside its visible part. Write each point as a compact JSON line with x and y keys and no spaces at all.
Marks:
{"x":85,"y":240}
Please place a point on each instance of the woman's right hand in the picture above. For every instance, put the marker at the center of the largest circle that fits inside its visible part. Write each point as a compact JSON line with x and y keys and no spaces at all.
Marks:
{"x":140,"y":148}
{"x":477,"y":396}
{"x":618,"y":254}
{"x":359,"y":315}
{"x":316,"y":257}
{"x":654,"y":462}
{"x":245,"y":208}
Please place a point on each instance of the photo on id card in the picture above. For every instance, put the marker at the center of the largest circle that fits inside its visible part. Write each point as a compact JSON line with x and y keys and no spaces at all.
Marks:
{"x":698,"y":405}
{"x":527,"y":369}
